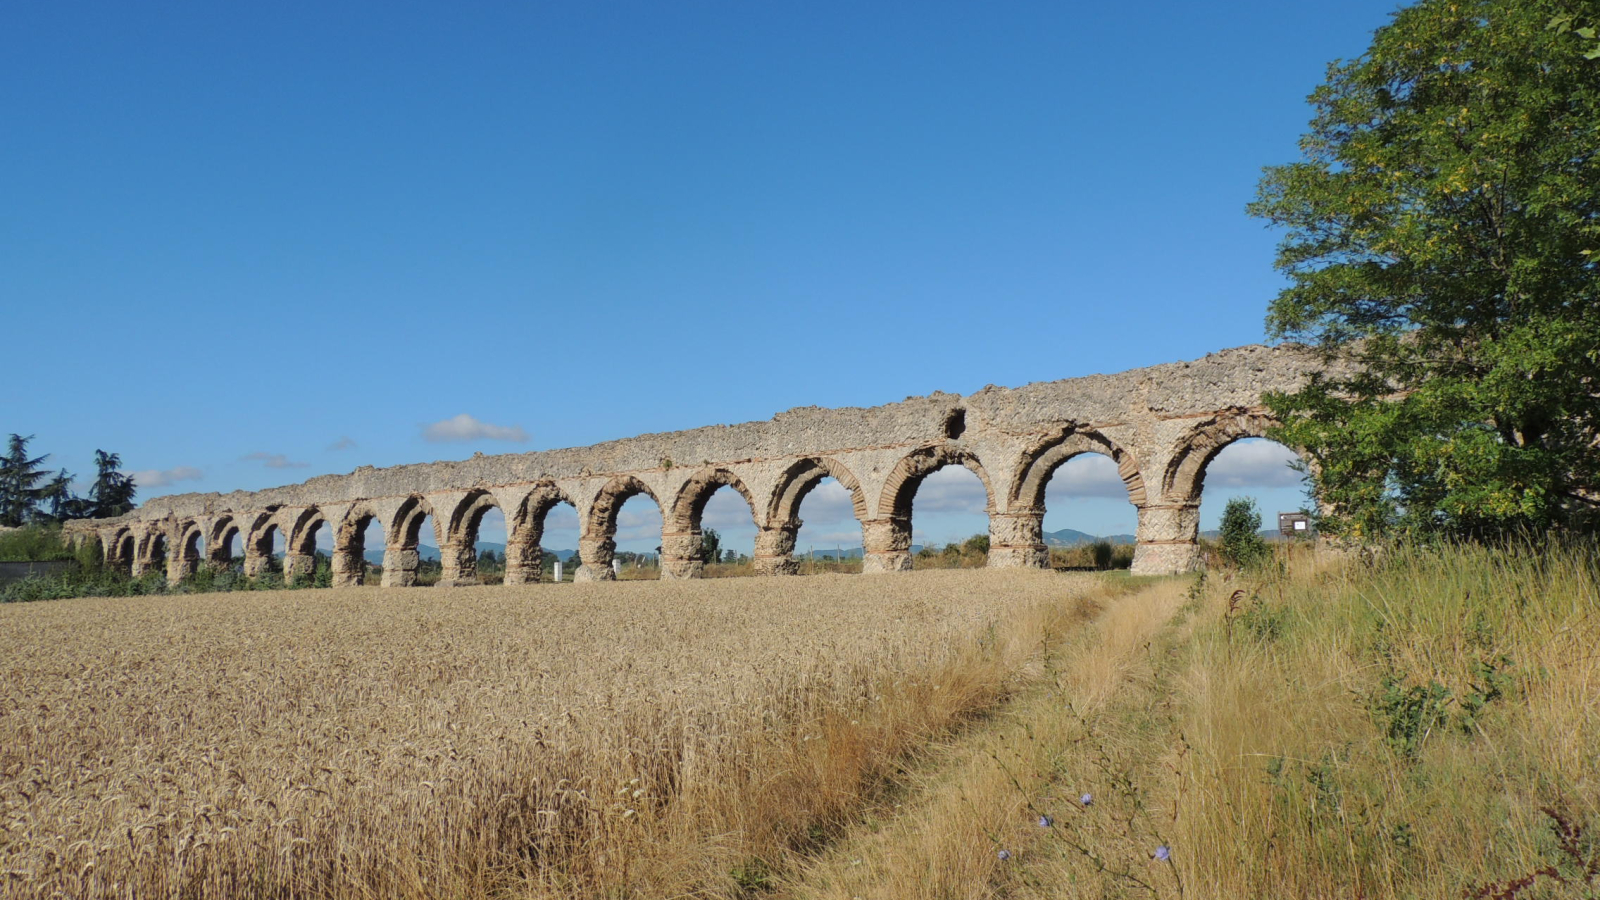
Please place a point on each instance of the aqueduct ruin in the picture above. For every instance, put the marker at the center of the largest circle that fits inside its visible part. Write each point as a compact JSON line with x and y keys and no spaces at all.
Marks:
{"x":1161,"y":425}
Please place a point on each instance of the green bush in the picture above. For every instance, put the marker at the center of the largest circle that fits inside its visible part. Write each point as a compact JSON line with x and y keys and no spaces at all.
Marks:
{"x":1101,"y":552}
{"x":1242,"y":543}
{"x":34,"y":543}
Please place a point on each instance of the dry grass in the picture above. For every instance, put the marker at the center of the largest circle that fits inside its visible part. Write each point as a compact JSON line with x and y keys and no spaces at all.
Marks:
{"x":1428,"y":727}
{"x":618,"y":740}
{"x":981,"y":792}
{"x":1425,"y":728}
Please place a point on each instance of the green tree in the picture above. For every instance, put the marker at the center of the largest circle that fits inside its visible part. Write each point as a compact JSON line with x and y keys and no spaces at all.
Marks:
{"x":58,"y":493}
{"x":112,"y":492}
{"x":710,"y":545}
{"x":1443,"y":231}
{"x":19,"y":483}
{"x":1242,"y":543}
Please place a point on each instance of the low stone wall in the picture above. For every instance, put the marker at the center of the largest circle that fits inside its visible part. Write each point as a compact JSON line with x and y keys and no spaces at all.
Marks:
{"x":16,"y":571}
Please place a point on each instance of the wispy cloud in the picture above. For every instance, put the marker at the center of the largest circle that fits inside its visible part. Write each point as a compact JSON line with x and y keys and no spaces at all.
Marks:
{"x":343,"y":443}
{"x":467,"y":428}
{"x":273,"y":460}
{"x":154,"y":478}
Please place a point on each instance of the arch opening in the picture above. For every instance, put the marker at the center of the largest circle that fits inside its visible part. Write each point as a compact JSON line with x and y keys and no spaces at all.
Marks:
{"x":827,"y":533}
{"x":958,"y":508}
{"x":358,"y":548}
{"x":475,"y":542}
{"x":307,"y":558}
{"x":542,"y":544}
{"x":953,"y":532}
{"x":621,"y":522}
{"x":191,"y":549}
{"x":835,"y":498}
{"x":264,"y":549}
{"x":155,"y":554}
{"x":412,"y":556}
{"x":225,"y":546}
{"x":120,"y":556}
{"x":638,"y":538}
{"x":1076,"y":502}
{"x":1263,"y":473}
{"x":1087,"y":518}
{"x":727,"y":526}
{"x":711,"y":530}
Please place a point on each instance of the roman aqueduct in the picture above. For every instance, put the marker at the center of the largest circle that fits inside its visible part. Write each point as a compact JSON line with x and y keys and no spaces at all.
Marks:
{"x":1161,"y":425}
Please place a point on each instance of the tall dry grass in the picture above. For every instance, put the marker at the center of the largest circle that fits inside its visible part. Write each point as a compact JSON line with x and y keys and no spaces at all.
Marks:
{"x":618,"y":740}
{"x":1428,"y":726}
{"x":981,"y":792}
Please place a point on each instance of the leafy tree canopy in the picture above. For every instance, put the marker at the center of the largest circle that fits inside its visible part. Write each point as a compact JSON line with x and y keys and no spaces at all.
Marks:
{"x":1443,"y":230}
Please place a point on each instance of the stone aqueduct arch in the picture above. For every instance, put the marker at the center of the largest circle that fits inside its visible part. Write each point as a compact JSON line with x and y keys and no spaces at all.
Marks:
{"x":1161,"y":425}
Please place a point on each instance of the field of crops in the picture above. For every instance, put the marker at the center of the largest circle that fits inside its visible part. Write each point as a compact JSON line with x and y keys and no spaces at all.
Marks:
{"x":625,"y":739}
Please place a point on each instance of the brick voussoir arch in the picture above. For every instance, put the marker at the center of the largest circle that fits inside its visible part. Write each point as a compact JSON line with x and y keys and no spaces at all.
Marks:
{"x":802,"y":477}
{"x":1184,"y":477}
{"x":1016,"y":536}
{"x":1041,"y":460}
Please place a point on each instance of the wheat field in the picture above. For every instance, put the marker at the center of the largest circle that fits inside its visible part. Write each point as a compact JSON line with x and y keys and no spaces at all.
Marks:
{"x":629,"y":739}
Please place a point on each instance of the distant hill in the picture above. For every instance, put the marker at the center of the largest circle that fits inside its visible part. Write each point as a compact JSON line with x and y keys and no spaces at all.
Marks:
{"x":1067,"y":537}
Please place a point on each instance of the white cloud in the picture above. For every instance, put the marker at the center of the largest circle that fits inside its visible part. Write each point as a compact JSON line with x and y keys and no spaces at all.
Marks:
{"x":343,"y":443}
{"x":829,"y":539}
{"x":1086,"y":475}
{"x":951,"y":489}
{"x":727,"y":511}
{"x":562,"y":515}
{"x":1253,"y":463}
{"x":467,"y":428}
{"x":273,"y":460}
{"x":639,"y":523}
{"x":828,"y":504}
{"x":154,"y":478}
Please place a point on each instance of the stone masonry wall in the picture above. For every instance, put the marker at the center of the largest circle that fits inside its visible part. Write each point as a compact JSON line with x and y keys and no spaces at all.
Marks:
{"x":1161,"y":424}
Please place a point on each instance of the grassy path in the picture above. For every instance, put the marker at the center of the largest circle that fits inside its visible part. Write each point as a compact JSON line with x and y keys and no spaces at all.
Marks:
{"x":1427,"y":726}
{"x":983,"y":792}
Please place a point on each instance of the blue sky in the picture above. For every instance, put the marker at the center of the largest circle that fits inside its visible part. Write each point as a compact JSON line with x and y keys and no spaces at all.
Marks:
{"x":242,"y":246}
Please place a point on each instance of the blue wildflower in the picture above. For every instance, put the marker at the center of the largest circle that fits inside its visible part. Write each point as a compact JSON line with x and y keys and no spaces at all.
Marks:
{"x":1164,"y":853}
{"x":1086,"y":799}
{"x":1005,"y":855}
{"x":1046,"y":821}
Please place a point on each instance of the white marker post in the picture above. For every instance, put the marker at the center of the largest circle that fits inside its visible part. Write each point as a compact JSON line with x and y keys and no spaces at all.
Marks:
{"x":558,"y":571}
{"x":616,"y":567}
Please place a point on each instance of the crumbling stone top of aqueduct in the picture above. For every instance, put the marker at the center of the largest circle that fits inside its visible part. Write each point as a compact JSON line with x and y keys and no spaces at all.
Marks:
{"x":1161,"y":425}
